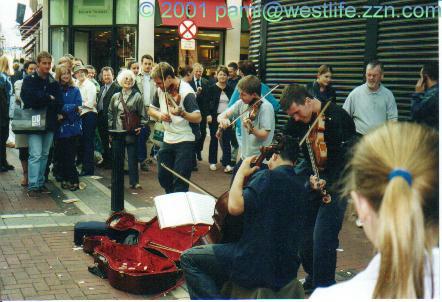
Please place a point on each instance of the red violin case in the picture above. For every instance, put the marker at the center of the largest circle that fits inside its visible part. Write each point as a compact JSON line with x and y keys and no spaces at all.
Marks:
{"x":149,"y":263}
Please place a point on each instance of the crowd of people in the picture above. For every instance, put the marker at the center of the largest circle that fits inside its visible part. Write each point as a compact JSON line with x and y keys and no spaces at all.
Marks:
{"x":392,"y":179}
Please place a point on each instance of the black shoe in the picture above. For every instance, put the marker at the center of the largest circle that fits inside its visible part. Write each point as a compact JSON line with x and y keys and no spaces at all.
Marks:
{"x":308,"y":286}
{"x":198,"y":156}
{"x":9,"y":167}
{"x":82,"y":173}
{"x":45,"y":190}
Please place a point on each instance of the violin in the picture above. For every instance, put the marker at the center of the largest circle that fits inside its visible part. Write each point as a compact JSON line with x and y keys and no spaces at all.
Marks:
{"x":317,"y":149}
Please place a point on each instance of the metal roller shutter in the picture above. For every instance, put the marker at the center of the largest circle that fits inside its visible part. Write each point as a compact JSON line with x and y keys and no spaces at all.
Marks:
{"x":297,"y":47}
{"x":255,"y":36}
{"x":403,"y":45}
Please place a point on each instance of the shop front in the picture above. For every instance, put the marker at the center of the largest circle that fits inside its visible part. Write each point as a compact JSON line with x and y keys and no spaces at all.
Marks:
{"x":100,"y":32}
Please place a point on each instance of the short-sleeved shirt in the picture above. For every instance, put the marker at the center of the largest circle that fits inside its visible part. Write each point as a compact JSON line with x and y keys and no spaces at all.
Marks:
{"x":370,"y":108}
{"x":274,"y":211}
{"x":179,"y":130}
{"x":265,"y":119}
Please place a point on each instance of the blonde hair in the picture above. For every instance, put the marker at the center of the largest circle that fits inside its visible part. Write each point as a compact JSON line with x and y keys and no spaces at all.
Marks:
{"x":5,"y":65}
{"x":408,"y":213}
{"x":61,"y":70}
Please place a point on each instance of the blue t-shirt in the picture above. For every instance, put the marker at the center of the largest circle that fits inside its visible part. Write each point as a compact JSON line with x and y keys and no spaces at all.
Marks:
{"x":267,"y":253}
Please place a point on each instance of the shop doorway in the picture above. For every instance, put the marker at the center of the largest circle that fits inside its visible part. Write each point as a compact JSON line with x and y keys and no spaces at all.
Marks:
{"x":93,"y":46}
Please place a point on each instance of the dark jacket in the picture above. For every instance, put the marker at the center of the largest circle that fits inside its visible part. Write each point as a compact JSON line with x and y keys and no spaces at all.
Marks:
{"x":213,"y":96}
{"x":329,"y":93}
{"x":201,"y":99}
{"x":425,"y":107}
{"x":35,"y":94}
{"x":71,"y":124}
{"x":114,"y":88}
{"x":5,"y":96}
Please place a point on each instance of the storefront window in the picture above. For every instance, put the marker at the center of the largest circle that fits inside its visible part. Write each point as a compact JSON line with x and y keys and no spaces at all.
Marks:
{"x":59,"y":42}
{"x":126,"y":45}
{"x":59,"y":12}
{"x":127,"y":11}
{"x":209,"y":46}
{"x":92,"y":12}
{"x":167,"y":46}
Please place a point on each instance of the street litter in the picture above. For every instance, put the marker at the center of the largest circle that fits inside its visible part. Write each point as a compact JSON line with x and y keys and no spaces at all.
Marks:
{"x":77,"y":248}
{"x":133,"y":193}
{"x":339,"y":250}
{"x":70,"y":200}
{"x":96,"y":177}
{"x":80,"y":282}
{"x":82,"y":185}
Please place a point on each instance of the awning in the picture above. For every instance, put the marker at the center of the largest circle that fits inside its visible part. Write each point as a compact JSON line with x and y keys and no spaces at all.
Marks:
{"x":29,"y":45}
{"x":31,"y":24}
{"x":205,"y":14}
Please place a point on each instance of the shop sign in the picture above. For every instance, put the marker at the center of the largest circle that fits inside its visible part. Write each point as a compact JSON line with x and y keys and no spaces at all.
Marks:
{"x":187,"y":30}
{"x":187,"y":44}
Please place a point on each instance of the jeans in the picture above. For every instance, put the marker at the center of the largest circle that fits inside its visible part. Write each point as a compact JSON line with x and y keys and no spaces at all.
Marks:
{"x":89,"y":124}
{"x":323,"y":224}
{"x":66,"y":159}
{"x":204,"y":275}
{"x":225,"y":145}
{"x":132,"y":163}
{"x":39,"y":145}
{"x":179,"y":158}
{"x":141,"y":141}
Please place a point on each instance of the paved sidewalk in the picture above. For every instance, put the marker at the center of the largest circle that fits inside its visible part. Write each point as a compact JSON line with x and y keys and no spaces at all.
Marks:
{"x":38,"y":260}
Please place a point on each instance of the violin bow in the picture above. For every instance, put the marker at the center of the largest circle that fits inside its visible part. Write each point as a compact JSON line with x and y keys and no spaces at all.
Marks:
{"x":188,"y":181}
{"x":314,"y":123}
{"x":250,"y":107}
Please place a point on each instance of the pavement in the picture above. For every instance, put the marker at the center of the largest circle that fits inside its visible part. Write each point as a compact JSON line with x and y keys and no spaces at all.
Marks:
{"x":38,"y":259}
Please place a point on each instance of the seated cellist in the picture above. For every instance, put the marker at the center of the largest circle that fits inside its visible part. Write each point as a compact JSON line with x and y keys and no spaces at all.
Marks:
{"x":267,"y":253}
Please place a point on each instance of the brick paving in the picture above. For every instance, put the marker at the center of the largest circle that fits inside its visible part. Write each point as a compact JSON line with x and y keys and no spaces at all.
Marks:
{"x":37,"y":256}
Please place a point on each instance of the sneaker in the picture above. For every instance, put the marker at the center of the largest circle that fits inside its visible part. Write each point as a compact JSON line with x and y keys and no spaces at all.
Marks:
{"x":212,"y":167}
{"x":136,"y":187}
{"x":45,"y":190}
{"x":228,"y":169}
{"x":358,"y":223}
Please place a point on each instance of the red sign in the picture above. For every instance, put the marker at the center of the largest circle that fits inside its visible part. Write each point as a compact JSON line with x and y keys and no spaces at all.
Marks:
{"x":187,"y":30}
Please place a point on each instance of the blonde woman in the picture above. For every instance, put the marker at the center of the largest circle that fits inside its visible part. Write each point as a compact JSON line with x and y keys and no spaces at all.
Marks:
{"x":393,"y":181}
{"x":134,"y":102}
{"x":5,"y":97}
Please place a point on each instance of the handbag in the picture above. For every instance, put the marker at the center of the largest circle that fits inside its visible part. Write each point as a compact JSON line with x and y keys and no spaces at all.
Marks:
{"x":130,"y":120}
{"x":29,"y":121}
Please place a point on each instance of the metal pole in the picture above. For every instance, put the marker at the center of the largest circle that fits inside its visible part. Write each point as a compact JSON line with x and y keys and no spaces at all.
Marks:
{"x":117,"y":188}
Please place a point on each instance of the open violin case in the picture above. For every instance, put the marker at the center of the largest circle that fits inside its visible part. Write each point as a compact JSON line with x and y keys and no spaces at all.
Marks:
{"x":139,"y":257}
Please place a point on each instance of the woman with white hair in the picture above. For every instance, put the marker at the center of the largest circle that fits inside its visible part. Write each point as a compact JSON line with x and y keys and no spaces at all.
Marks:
{"x":128,"y":104}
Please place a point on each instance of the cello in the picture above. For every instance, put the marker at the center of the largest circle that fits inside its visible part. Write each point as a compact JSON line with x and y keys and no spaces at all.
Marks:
{"x":216,"y":233}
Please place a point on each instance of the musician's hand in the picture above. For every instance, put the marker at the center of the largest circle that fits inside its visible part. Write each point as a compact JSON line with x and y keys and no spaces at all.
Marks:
{"x":224,"y":123}
{"x":165,"y":117}
{"x":178,"y":111}
{"x":248,"y":124}
{"x":245,"y":169}
{"x":209,"y":119}
{"x":317,"y":184}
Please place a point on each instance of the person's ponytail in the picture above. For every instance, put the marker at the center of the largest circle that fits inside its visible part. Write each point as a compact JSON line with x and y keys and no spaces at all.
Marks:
{"x":401,"y":236}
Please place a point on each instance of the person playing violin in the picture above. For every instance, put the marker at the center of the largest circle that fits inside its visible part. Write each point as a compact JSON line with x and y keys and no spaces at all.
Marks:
{"x":267,"y":253}
{"x":175,"y":105}
{"x":257,"y":120}
{"x":324,"y":219}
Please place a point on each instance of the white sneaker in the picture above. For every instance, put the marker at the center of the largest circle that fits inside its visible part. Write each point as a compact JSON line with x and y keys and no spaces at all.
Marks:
{"x":212,"y":167}
{"x":228,"y":169}
{"x":359,"y":224}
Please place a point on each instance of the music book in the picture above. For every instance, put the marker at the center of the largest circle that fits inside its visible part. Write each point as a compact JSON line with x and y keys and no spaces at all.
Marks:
{"x":184,"y":208}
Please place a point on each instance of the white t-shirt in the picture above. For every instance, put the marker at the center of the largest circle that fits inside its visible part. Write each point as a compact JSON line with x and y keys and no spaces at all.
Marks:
{"x":88,"y":93}
{"x":361,"y":287}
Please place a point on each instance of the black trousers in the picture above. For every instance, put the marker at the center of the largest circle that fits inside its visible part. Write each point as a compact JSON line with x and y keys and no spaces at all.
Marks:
{"x":66,"y":164}
{"x":200,"y":142}
{"x":4,"y":134}
{"x":103,"y":131}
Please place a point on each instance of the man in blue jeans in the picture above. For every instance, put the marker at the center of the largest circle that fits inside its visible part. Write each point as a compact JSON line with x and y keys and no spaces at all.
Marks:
{"x":324,"y":220}
{"x":40,"y":90}
{"x":267,"y":253}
